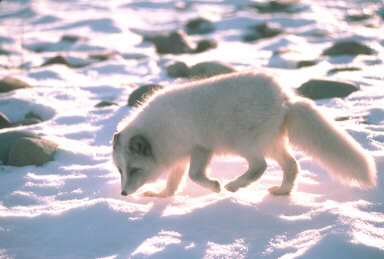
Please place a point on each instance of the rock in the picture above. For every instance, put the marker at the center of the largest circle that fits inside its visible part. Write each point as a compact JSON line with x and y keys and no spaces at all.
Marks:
{"x":73,"y":38}
{"x":306,"y":63}
{"x":8,"y":138}
{"x":137,"y":97}
{"x":105,"y":104}
{"x":348,"y":47}
{"x":357,"y":17}
{"x":171,"y":43}
{"x":320,"y":89}
{"x":178,"y":69}
{"x":342,"y":69}
{"x":207,"y":69}
{"x":8,"y":84}
{"x":4,"y":121}
{"x":274,"y":7}
{"x":4,"y":52}
{"x":261,"y":31}
{"x":204,"y":45}
{"x":31,"y":151}
{"x":103,"y":56}
{"x":71,"y":62}
{"x":199,"y":26}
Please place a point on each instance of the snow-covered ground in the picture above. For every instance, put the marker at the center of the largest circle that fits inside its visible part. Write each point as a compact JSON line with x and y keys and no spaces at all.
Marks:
{"x":72,"y":208}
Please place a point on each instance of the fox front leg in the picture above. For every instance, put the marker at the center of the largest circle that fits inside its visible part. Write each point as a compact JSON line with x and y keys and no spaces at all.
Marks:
{"x":200,"y":159}
{"x":173,"y":181}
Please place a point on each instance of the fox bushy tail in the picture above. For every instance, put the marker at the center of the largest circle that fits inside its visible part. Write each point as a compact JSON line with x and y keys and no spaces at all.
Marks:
{"x":330,"y":146}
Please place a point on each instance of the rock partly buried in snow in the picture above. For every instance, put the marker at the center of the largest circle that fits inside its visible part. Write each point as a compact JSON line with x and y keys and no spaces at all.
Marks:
{"x":207,"y":69}
{"x":69,"y":62}
{"x":4,"y":121}
{"x":200,"y":70}
{"x":343,"y":69}
{"x":275,"y":7}
{"x":320,"y":89}
{"x":175,"y":42}
{"x":71,"y":38}
{"x":305,"y":63}
{"x":8,"y":84}
{"x":349,"y":47}
{"x":199,"y":26}
{"x":8,"y":138}
{"x":204,"y":45}
{"x":178,"y":69}
{"x":137,"y":97}
{"x":105,"y":104}
{"x":262,"y":31}
{"x":31,"y":151}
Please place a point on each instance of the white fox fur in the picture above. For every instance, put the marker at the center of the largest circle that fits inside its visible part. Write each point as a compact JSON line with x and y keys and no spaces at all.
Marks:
{"x":244,"y":114}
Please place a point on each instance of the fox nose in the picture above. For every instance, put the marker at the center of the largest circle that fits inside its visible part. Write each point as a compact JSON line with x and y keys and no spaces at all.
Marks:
{"x":124,"y":193}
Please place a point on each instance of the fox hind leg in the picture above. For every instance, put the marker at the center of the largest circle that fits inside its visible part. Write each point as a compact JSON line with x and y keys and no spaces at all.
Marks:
{"x":254,"y":172}
{"x":290,"y":169}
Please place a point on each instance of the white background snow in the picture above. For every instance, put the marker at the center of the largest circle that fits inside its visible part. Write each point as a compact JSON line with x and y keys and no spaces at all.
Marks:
{"x":72,"y":208}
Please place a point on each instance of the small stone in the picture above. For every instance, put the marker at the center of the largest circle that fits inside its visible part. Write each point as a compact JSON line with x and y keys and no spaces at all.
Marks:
{"x":343,"y":69}
{"x":105,"y":104}
{"x":204,"y":45}
{"x":8,"y":84}
{"x":208,"y":69}
{"x":306,"y":63}
{"x":4,"y":121}
{"x":262,"y":31}
{"x":175,"y":42}
{"x":73,"y":38}
{"x":320,"y":89}
{"x":348,"y":48}
{"x":31,"y":151}
{"x":274,"y":7}
{"x":103,"y":56}
{"x":358,"y":17}
{"x":137,"y":97}
{"x":178,"y":69}
{"x":199,"y":26}
{"x":56,"y":60}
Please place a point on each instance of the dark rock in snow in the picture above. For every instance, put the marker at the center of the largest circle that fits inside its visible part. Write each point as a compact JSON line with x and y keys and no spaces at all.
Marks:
{"x":348,"y":47}
{"x":320,"y":89}
{"x":4,"y":52}
{"x":358,"y":17}
{"x":8,"y":84}
{"x":73,"y":38}
{"x":262,"y":31}
{"x":31,"y":151}
{"x":178,"y":69}
{"x":137,"y":97}
{"x":342,"y":69}
{"x":306,"y":63}
{"x":103,"y":56}
{"x":199,"y":26}
{"x":171,"y":43}
{"x":105,"y":104}
{"x":204,"y":45}
{"x":8,"y":138}
{"x":4,"y":121}
{"x":207,"y":69}
{"x":73,"y":63}
{"x":275,"y":7}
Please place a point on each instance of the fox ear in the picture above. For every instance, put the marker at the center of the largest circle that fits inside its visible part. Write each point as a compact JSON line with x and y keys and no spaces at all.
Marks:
{"x":140,"y":146}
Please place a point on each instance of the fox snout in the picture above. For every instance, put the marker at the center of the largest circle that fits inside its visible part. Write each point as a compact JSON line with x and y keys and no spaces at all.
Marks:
{"x":124,"y":193}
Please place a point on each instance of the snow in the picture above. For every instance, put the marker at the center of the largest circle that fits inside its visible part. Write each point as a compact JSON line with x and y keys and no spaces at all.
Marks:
{"x":72,"y":208}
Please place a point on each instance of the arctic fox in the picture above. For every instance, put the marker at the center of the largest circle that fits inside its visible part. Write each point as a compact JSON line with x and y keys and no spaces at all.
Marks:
{"x":243,"y":114}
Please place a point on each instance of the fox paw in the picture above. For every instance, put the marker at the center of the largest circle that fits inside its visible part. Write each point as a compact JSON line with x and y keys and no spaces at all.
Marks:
{"x":156,"y":194}
{"x":231,"y":187}
{"x":277,"y":190}
{"x":215,"y":186}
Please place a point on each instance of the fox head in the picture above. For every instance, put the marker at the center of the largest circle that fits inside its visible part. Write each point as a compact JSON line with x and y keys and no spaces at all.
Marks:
{"x":135,"y":161}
